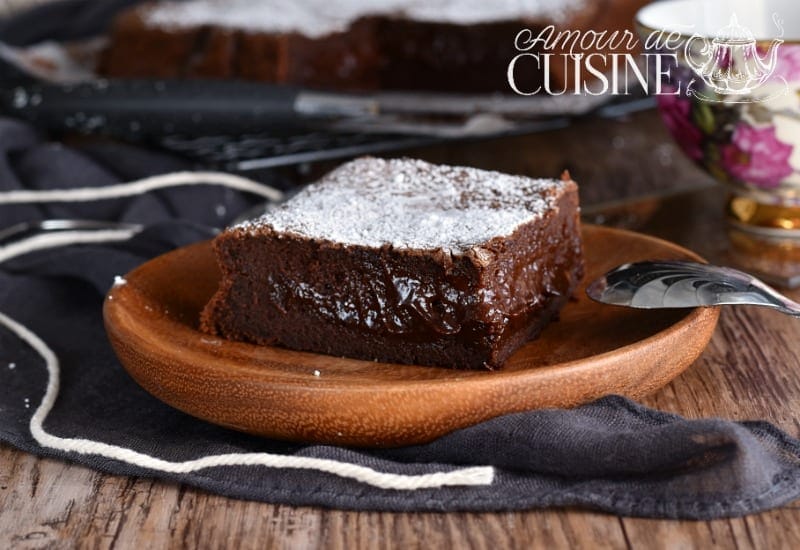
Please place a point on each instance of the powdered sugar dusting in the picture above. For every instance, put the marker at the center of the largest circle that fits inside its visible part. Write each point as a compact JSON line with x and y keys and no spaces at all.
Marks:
{"x":319,"y":17}
{"x":468,"y":12}
{"x":413,"y":204}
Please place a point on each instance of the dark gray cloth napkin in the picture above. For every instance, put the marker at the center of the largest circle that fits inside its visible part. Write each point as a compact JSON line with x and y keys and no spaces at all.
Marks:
{"x":611,"y":455}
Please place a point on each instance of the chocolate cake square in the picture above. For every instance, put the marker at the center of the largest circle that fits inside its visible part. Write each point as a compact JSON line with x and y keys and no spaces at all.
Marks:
{"x":402,"y":261}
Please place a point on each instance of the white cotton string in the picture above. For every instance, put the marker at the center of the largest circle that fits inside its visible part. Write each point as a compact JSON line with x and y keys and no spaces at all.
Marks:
{"x":175,"y":179}
{"x":61,"y":238}
{"x":478,"y":475}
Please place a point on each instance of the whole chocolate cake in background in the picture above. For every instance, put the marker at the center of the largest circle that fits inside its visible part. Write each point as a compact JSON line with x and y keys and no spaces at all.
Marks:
{"x":450,"y":45}
{"x":402,"y":261}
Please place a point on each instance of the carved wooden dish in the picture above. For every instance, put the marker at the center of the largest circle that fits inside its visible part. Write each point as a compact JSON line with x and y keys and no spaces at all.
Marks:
{"x":594,"y":350}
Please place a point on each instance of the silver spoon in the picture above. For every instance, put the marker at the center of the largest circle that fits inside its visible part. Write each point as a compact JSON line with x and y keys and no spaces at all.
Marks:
{"x":679,"y":284}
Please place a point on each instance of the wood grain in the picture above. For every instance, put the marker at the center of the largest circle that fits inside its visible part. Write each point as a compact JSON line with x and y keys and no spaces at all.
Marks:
{"x":750,"y":370}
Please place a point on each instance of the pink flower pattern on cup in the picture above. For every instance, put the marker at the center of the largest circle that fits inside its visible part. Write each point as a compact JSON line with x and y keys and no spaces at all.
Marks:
{"x":736,"y":141}
{"x":756,"y":156}
{"x":676,"y":112}
{"x":787,"y":65}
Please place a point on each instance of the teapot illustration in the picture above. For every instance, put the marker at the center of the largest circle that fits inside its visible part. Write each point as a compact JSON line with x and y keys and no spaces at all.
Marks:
{"x":730,"y":64}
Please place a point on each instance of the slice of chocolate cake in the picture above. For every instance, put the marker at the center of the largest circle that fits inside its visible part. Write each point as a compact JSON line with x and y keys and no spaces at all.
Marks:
{"x":402,"y":261}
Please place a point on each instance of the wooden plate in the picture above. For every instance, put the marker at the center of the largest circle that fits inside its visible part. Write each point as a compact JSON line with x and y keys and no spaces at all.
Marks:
{"x":594,"y":350}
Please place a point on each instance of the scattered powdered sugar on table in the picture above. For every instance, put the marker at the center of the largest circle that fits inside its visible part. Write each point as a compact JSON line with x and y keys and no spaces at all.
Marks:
{"x":409,"y":203}
{"x":320,"y":17}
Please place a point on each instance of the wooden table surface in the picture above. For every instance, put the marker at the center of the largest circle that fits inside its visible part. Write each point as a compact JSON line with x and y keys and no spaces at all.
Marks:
{"x":751,"y":370}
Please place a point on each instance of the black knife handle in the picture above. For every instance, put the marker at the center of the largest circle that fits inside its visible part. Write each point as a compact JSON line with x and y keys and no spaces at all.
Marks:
{"x":131,"y":108}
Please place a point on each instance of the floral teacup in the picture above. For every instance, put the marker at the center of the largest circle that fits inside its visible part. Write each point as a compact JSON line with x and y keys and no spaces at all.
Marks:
{"x":729,"y":94}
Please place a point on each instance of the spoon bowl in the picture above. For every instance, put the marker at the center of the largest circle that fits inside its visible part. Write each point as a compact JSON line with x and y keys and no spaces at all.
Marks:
{"x":685,"y":284}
